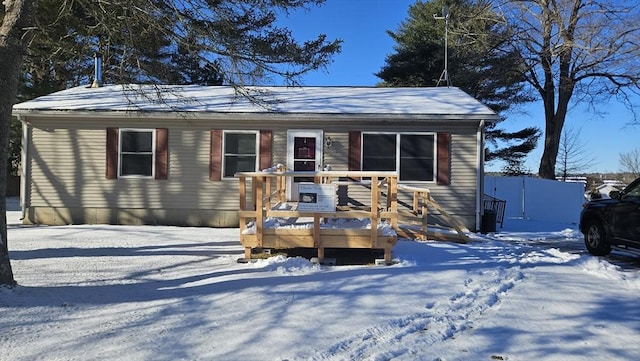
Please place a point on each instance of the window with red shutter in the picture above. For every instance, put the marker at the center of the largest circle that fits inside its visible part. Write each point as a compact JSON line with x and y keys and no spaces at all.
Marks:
{"x":131,"y":153}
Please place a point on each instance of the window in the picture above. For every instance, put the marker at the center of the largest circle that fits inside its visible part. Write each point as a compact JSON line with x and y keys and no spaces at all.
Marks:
{"x":240,"y":152}
{"x":136,"y":153}
{"x":416,"y":157}
{"x":141,"y":153}
{"x":410,"y":154}
{"x":379,"y":152}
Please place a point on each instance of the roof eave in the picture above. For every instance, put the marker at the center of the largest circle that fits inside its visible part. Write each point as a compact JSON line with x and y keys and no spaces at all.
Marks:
{"x":137,"y":114}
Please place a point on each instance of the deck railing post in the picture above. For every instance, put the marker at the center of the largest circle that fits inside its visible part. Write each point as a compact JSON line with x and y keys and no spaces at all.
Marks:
{"x":393,"y":199}
{"x":259,"y":189}
{"x":375,"y":194}
{"x":242,"y":182}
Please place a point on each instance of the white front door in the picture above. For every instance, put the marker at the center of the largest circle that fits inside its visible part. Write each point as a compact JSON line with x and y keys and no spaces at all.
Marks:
{"x":304,"y":153}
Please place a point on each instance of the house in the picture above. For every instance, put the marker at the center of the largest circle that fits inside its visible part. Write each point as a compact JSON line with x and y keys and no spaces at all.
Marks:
{"x":133,"y":154}
{"x":603,"y":190}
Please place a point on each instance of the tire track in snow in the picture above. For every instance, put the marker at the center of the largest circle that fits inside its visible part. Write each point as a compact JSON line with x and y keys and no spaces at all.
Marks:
{"x":440,"y":321}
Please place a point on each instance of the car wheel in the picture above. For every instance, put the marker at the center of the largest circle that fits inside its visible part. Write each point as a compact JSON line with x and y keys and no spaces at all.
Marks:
{"x":596,"y":240}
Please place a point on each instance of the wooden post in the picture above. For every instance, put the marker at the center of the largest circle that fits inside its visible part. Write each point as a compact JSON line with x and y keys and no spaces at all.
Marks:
{"x":243,"y":206}
{"x":425,"y":211}
{"x":316,"y":230}
{"x":259,"y":188}
{"x":268,"y":191}
{"x":392,"y":195}
{"x":282,"y":186}
{"x":375,"y":194}
{"x":243,"y":201}
{"x":425,"y":200}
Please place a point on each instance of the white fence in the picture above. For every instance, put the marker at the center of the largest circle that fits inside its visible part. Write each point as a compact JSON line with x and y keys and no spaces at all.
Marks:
{"x":537,"y":199}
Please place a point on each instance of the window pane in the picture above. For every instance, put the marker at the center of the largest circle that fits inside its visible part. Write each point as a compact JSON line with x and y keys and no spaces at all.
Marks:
{"x":234,"y":164}
{"x":239,"y":143}
{"x":304,"y":147}
{"x":416,"y":169}
{"x":136,"y":141}
{"x":239,"y":153}
{"x":304,"y":166}
{"x":415,"y":146}
{"x":379,"y":152}
{"x":416,"y":157}
{"x":137,"y":164}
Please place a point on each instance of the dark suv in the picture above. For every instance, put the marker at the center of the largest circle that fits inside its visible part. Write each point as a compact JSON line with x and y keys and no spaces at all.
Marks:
{"x":613,"y":222}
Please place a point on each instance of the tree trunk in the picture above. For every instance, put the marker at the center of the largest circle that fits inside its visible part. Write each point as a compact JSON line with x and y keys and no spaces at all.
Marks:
{"x":13,"y":44}
{"x":552,"y":132}
{"x":555,"y":118}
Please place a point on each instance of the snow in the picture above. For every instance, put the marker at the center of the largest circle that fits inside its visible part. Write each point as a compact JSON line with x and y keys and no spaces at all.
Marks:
{"x":441,"y":102}
{"x":384,"y":227}
{"x":104,"y":292}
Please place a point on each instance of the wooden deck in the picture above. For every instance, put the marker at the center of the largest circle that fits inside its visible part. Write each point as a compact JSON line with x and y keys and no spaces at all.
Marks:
{"x":269,"y":221}
{"x":268,"y":193}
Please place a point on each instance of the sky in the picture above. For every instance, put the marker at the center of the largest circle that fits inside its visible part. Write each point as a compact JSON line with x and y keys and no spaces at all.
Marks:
{"x":363,"y":25}
{"x":107,"y":292}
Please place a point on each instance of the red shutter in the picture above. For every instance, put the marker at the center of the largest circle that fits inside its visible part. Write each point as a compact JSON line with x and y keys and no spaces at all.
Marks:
{"x":265,"y":149}
{"x":443,"y":157}
{"x":162,"y":153}
{"x":354,"y":151}
{"x":111,"y":171}
{"x":215,"y":156}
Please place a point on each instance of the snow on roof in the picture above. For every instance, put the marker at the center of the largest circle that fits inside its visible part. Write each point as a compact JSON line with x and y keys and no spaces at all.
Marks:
{"x":296,"y":100}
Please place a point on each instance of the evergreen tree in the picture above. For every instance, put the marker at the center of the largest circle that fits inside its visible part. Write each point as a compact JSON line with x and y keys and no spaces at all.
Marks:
{"x":49,"y":44}
{"x":475,"y":64}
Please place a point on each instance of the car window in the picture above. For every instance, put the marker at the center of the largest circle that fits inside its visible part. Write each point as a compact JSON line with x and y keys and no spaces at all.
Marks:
{"x":633,"y":192}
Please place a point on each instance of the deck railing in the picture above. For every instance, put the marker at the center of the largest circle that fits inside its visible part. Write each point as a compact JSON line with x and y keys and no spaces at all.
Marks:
{"x":268,"y":193}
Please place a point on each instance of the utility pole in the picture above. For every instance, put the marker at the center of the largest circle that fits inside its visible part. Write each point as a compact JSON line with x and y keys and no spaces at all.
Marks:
{"x":445,"y":73}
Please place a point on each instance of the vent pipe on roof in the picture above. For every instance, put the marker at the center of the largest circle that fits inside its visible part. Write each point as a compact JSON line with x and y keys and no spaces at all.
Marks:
{"x":97,"y":77}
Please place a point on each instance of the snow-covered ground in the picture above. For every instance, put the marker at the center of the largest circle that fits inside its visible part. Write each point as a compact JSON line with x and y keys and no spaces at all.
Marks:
{"x":528,"y":292}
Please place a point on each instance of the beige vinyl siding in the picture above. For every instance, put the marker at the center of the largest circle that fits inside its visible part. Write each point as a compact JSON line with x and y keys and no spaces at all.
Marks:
{"x":68,"y":167}
{"x":68,"y":156}
{"x":459,"y":198}
{"x":338,"y":154}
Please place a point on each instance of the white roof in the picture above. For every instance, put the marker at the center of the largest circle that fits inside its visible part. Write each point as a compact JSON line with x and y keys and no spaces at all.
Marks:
{"x":433,"y":101}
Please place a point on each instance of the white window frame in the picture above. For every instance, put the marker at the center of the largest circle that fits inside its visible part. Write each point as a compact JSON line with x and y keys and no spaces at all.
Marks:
{"x":398,"y":143}
{"x":225,"y":154}
{"x":121,"y":153}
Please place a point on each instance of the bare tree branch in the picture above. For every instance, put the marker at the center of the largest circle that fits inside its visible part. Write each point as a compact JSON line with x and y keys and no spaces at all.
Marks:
{"x":576,"y":51}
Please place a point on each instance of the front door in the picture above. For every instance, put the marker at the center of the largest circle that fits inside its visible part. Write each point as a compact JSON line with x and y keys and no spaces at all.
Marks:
{"x":304,"y":153}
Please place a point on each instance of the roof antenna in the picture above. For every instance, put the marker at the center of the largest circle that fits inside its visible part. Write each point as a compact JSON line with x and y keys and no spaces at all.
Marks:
{"x":445,"y":73}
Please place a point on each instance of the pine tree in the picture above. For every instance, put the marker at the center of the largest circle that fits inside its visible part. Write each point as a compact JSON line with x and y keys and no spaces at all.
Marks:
{"x":140,"y":41}
{"x":475,"y":64}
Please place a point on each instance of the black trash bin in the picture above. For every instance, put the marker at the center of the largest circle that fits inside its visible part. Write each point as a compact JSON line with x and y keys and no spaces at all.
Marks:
{"x":489,"y":221}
